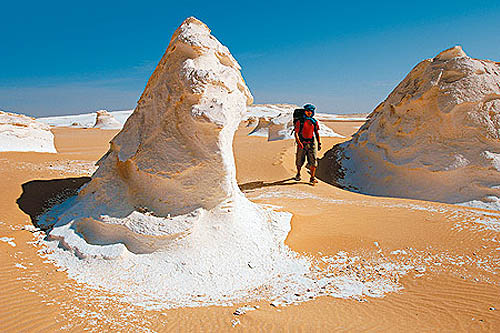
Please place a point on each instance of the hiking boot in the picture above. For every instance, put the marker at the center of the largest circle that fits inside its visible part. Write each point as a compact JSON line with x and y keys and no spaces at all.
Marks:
{"x":297,"y":177}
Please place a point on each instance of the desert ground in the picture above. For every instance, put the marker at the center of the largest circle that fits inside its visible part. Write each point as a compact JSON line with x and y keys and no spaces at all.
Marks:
{"x":454,"y":251}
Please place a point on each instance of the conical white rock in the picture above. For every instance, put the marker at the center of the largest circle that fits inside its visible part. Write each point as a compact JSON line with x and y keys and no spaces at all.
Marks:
{"x":22,"y":133}
{"x":164,"y":202}
{"x":436,"y":136}
{"x":174,"y":153}
{"x":105,"y":120}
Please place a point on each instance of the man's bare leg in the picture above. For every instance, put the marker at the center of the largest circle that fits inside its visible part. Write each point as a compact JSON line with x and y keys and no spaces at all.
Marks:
{"x":297,"y":176}
{"x":313,"y":174}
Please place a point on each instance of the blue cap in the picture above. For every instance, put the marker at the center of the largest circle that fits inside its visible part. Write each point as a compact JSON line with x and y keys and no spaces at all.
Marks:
{"x":309,"y":107}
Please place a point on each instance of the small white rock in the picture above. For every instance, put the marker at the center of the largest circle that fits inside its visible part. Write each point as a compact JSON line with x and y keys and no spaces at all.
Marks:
{"x":420,"y":269}
{"x":235,"y":322}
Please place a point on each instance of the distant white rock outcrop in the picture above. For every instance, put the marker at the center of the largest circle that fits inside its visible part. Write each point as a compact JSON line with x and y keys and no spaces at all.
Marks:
{"x":88,"y":120}
{"x":275,"y":121}
{"x":268,"y":110}
{"x":22,"y":133}
{"x":258,"y":117}
{"x":261,"y":128}
{"x":436,"y":136}
{"x":105,"y":120}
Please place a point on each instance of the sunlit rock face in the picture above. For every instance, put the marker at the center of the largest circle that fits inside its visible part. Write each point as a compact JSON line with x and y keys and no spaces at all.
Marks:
{"x":174,"y":153}
{"x":435,"y":137}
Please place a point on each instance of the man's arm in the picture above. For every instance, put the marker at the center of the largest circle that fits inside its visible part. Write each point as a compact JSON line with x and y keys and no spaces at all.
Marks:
{"x":296,"y":133}
{"x":316,"y":133}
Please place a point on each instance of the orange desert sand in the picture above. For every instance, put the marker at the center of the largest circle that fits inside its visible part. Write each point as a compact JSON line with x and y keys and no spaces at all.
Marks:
{"x":455,"y":251}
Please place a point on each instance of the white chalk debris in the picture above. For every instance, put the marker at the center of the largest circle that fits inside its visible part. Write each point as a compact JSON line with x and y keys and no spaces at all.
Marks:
{"x":8,"y":240}
{"x":244,"y":309}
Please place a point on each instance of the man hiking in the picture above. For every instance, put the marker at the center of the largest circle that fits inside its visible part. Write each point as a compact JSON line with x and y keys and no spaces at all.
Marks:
{"x":306,"y":128}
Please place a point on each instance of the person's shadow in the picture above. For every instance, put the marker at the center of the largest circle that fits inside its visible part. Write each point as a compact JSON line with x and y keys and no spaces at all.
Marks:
{"x":259,"y":184}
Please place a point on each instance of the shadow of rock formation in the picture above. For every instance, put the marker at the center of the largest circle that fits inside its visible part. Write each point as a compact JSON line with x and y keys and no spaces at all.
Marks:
{"x":40,"y":195}
{"x":330,"y":170}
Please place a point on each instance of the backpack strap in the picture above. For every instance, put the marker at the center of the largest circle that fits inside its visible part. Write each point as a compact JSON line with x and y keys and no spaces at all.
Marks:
{"x":300,"y":126}
{"x":302,"y":120}
{"x":315,"y":124}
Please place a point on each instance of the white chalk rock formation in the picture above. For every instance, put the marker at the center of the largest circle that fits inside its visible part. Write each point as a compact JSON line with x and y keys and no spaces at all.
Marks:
{"x":165,"y":196}
{"x":262,"y":128}
{"x":281,"y":128}
{"x":22,"y":133}
{"x":262,"y":114}
{"x":87,"y":120}
{"x":105,"y":120}
{"x":276,"y":122}
{"x":251,"y":121}
{"x":268,"y":110}
{"x":436,"y":136}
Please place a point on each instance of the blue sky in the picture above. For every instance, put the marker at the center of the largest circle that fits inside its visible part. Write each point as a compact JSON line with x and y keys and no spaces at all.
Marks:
{"x":63,"y":57}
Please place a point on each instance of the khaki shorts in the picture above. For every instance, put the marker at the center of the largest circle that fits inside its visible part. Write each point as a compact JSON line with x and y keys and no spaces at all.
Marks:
{"x":309,"y":151}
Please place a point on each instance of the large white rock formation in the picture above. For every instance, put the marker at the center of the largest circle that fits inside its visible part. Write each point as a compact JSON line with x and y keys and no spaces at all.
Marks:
{"x":22,"y":133}
{"x":165,"y":196}
{"x":436,"y":136}
{"x":105,"y":120}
